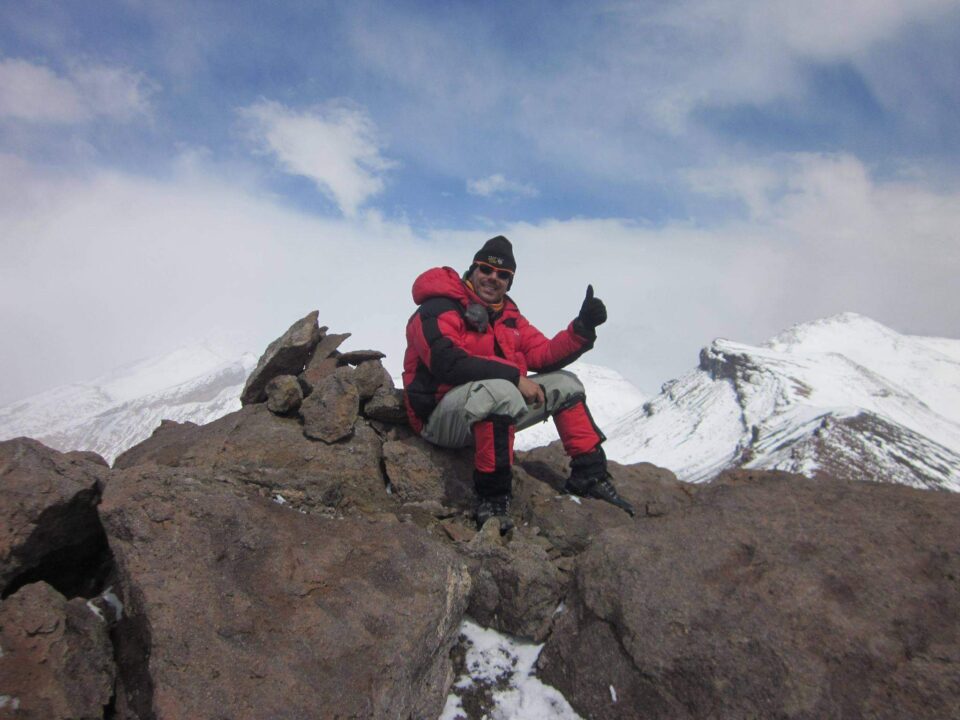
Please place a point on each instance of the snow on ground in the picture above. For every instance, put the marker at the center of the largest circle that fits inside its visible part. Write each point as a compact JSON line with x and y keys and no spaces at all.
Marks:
{"x":499,"y":683}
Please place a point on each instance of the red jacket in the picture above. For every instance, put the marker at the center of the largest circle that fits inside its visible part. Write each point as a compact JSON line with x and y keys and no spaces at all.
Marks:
{"x":445,"y":348}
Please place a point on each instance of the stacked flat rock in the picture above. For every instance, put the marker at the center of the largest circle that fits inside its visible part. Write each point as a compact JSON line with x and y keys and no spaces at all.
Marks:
{"x":303,"y":373}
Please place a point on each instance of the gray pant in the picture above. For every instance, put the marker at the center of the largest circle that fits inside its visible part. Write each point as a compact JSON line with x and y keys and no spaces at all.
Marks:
{"x":451,"y":421}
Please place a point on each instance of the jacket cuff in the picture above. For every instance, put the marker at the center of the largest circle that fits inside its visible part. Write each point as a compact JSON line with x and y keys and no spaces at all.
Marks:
{"x":581,"y":330}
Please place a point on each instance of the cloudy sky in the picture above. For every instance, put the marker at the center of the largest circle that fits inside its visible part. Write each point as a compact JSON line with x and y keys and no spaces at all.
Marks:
{"x":176,"y":171}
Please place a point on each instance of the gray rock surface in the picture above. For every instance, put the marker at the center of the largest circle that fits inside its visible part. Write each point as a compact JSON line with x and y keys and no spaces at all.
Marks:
{"x":281,"y":615}
{"x":330,"y":411}
{"x":56,"y":661}
{"x":420,"y":472}
{"x":284,"y":395}
{"x":287,"y":355}
{"x":355,"y":357}
{"x":369,"y":377}
{"x":770,"y":596}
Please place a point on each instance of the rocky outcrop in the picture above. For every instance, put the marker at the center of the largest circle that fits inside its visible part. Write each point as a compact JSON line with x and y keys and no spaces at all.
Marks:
{"x":288,"y":614}
{"x":56,"y":661}
{"x":317,"y":560}
{"x":769,"y":596}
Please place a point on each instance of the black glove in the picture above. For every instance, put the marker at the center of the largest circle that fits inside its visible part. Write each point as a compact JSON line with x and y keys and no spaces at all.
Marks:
{"x":593,"y":312}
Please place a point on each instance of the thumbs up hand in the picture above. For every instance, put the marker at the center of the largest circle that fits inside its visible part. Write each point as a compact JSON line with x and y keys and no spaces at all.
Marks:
{"x":593,"y":312}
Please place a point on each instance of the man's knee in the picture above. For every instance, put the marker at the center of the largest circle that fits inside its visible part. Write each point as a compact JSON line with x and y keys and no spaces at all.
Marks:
{"x":561,"y":388}
{"x":494,"y":397}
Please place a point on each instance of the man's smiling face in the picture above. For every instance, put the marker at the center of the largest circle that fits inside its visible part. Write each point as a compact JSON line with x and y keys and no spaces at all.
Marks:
{"x":487,"y":283}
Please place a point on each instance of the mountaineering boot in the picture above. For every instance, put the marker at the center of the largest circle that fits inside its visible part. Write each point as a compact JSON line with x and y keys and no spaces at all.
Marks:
{"x":589,"y":478}
{"x":493,"y":496}
{"x":495,"y":507}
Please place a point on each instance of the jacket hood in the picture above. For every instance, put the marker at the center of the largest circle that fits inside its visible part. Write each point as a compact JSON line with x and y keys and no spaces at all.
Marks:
{"x":442,"y":282}
{"x":446,"y":282}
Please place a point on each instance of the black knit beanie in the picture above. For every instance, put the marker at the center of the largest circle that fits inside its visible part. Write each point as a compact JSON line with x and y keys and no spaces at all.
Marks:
{"x":498,"y":252}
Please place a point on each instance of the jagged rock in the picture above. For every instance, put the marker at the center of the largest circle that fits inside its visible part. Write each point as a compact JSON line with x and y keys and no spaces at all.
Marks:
{"x":87,"y":455}
{"x":516,"y":589}
{"x":56,"y":660}
{"x":387,"y":406}
{"x":770,"y":596}
{"x":287,"y":355}
{"x":571,"y":523}
{"x":48,"y":513}
{"x":419,"y":471}
{"x":322,"y":363}
{"x":284,"y":395}
{"x":255,"y":447}
{"x":331,"y":410}
{"x":355,"y":357}
{"x":281,"y":614}
{"x":369,"y":377}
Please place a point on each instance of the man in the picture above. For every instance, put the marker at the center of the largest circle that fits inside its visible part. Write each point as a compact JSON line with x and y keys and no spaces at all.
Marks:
{"x":465,"y":378}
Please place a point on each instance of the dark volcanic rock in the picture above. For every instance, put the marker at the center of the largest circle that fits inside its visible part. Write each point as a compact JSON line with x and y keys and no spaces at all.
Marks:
{"x":331,"y":410}
{"x":279,"y":614}
{"x":284,"y":394}
{"x":771,"y":596}
{"x":355,"y":357}
{"x":56,"y":660}
{"x":48,"y":511}
{"x":323,"y":362}
{"x":255,"y":447}
{"x":287,"y":355}
{"x":387,"y":405}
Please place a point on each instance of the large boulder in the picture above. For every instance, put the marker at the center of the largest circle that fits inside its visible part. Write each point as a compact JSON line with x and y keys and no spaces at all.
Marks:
{"x":255,"y":447}
{"x":48,"y":517}
{"x":770,"y":596}
{"x":421,"y":472}
{"x":56,"y":661}
{"x":240,"y":607}
{"x":287,"y":355}
{"x":571,"y":523}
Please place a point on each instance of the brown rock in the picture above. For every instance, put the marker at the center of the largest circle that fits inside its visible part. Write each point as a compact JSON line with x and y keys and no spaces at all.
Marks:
{"x":281,"y":615}
{"x":88,"y":456}
{"x":57,"y":661}
{"x":419,"y":472}
{"x":387,"y":406}
{"x":355,"y":357}
{"x":322,"y":363}
{"x":284,"y":395}
{"x":571,"y":523}
{"x":516,"y":589}
{"x":769,"y":596}
{"x":287,"y":355}
{"x":369,"y":377}
{"x":331,"y":410}
{"x":47,"y":508}
{"x":253,"y":447}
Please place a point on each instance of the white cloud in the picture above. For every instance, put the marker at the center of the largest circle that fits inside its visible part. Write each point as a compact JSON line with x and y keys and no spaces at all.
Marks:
{"x":497,"y":184}
{"x":37,"y":94}
{"x":115,"y":267}
{"x":337,"y":148}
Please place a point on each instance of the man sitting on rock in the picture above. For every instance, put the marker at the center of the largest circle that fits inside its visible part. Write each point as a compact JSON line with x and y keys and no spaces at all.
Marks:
{"x":465,"y":378}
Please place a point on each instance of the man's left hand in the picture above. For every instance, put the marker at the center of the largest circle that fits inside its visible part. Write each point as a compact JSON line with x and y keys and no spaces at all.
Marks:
{"x":593,"y":312}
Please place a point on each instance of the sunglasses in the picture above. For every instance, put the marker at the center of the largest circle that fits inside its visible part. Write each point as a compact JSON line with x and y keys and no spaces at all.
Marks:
{"x":490,"y":269}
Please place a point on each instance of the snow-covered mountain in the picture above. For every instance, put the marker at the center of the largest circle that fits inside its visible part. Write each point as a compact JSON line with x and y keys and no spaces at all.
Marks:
{"x":844,"y":395}
{"x":116,"y":411}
